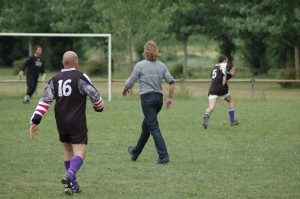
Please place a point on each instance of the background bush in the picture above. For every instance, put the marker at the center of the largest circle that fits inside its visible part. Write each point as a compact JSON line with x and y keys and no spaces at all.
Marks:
{"x":95,"y":67}
{"x":288,"y":73}
{"x":17,"y":64}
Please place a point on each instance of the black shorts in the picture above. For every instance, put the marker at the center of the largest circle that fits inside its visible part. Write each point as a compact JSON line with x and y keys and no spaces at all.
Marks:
{"x":74,"y":138}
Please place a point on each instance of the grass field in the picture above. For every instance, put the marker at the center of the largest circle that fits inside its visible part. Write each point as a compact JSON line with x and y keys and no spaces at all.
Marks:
{"x":260,"y":158}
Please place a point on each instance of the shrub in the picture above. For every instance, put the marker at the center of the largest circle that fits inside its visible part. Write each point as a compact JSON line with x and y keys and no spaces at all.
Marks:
{"x":94,"y":67}
{"x":288,"y":73}
{"x":176,"y":71}
{"x":17,"y":64}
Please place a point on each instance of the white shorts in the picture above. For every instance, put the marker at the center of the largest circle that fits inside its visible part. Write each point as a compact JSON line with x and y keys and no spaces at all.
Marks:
{"x":218,"y":96}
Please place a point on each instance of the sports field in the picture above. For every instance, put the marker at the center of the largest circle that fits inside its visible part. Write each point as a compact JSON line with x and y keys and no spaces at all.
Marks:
{"x":260,"y":158}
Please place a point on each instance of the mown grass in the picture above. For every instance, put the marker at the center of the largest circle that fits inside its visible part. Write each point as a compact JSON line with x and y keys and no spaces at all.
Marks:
{"x":258,"y":159}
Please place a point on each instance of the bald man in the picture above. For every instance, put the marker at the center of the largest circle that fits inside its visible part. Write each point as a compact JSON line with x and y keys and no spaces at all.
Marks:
{"x":69,"y":88}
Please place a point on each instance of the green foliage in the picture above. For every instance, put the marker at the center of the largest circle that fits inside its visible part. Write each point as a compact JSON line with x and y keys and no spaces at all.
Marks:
{"x":72,"y":16}
{"x":278,"y":53}
{"x":269,"y":29}
{"x":133,"y":24}
{"x":176,"y":71}
{"x":17,"y":65}
{"x":255,"y":55}
{"x":24,"y":16}
{"x":266,"y":27}
{"x":11,"y":49}
{"x":288,"y":74}
{"x":94,"y":67}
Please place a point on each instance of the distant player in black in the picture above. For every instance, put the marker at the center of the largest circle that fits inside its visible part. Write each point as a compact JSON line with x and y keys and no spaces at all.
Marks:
{"x":69,"y":88}
{"x":219,"y":89}
{"x":34,"y":65}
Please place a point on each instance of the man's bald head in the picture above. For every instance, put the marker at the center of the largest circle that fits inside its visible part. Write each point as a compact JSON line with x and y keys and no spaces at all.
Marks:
{"x":70,"y":59}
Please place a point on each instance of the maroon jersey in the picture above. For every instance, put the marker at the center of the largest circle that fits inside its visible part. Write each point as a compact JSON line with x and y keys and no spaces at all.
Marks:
{"x":217,"y":74}
{"x":70,"y":89}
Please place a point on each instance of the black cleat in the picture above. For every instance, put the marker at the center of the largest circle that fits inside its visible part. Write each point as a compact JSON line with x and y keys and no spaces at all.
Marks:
{"x":68,"y":185}
{"x":234,"y":123}
{"x":130,"y":149}
{"x":205,"y":122}
{"x":68,"y":191}
{"x":76,"y":189}
{"x":162,"y":161}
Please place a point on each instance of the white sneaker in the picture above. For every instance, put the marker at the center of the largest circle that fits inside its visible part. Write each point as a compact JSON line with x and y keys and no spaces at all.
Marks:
{"x":26,"y":99}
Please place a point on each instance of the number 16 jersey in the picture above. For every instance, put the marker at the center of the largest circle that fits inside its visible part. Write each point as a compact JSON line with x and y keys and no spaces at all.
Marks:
{"x":70,"y":89}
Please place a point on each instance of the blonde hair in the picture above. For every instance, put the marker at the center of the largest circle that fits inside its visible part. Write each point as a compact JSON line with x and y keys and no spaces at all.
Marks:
{"x":151,"y":51}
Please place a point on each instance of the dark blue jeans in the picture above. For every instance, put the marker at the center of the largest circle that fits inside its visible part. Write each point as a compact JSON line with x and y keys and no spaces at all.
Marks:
{"x":151,"y":105}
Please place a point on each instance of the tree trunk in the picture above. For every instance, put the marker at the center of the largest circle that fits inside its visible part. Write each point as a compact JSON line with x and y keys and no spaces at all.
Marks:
{"x":297,"y":64}
{"x":130,"y":48}
{"x":227,"y":47}
{"x":185,"y":54}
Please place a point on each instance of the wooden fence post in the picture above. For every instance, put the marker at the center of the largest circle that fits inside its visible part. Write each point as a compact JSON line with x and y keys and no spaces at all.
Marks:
{"x":252,"y":81}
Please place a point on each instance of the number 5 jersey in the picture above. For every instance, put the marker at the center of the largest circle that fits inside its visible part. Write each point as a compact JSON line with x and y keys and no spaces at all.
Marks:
{"x":217,"y":74}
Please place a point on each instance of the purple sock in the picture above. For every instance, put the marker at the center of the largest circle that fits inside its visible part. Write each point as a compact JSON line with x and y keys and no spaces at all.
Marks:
{"x":231,"y":114}
{"x":75,"y":165}
{"x":67,"y":164}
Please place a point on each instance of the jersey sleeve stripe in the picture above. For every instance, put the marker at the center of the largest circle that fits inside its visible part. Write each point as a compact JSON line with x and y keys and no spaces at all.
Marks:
{"x":44,"y":106}
{"x":99,"y":104}
{"x":39,"y":113}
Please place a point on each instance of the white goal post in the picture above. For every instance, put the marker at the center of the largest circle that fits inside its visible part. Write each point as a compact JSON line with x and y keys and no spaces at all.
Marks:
{"x":72,"y":35}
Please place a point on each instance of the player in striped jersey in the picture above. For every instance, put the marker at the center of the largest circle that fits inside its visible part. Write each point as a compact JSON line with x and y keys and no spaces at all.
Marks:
{"x":69,"y":88}
{"x":219,"y":89}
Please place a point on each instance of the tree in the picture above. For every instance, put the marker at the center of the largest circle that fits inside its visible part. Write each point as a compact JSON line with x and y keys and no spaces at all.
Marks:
{"x":265,"y":19}
{"x":21,"y":16}
{"x":205,"y":17}
{"x":186,"y":21}
{"x":71,"y":16}
{"x":131,"y":23}
{"x":33,"y":16}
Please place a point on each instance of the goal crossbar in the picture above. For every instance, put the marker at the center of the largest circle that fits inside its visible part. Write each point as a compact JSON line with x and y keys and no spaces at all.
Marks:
{"x":72,"y":35}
